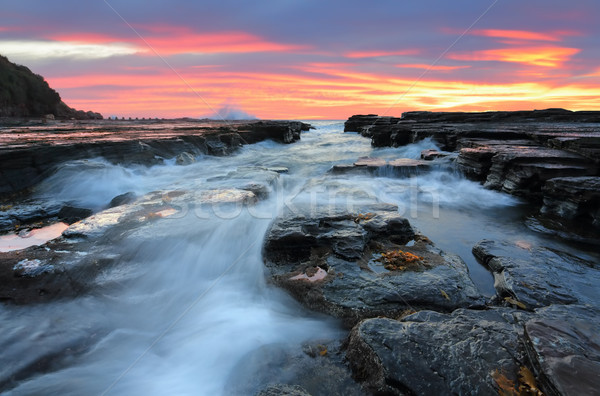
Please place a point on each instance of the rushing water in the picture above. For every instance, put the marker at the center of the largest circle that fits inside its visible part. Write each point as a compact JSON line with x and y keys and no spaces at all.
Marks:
{"x":193,"y":301}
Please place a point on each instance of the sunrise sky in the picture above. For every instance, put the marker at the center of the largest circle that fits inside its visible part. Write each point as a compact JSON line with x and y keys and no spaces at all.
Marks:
{"x":304,"y":59}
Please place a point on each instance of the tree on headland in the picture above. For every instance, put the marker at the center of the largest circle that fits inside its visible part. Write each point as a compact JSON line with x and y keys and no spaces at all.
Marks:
{"x":26,"y":94}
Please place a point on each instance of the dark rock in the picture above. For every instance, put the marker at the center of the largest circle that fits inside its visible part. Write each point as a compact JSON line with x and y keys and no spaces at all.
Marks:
{"x":25,"y":94}
{"x":327,"y":259}
{"x":475,"y":163}
{"x":279,"y":131}
{"x":122,"y":199}
{"x":185,"y":158}
{"x":356,"y":123}
{"x":547,"y":115}
{"x":573,"y":198}
{"x":401,"y":167}
{"x":26,"y":214}
{"x":317,"y":368}
{"x":392,"y":136}
{"x":586,"y":145}
{"x":538,"y":277}
{"x":563,"y":343}
{"x":430,"y":155}
{"x":74,"y":263}
{"x":283,"y":390}
{"x":70,"y":214}
{"x":429,"y":353}
{"x":27,"y":159}
{"x":524,"y":170}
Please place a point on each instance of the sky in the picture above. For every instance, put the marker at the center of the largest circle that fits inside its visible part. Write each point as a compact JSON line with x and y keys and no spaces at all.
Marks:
{"x":308,"y":59}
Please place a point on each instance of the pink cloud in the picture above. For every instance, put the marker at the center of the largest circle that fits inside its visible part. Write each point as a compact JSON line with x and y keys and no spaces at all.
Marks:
{"x":375,"y":54}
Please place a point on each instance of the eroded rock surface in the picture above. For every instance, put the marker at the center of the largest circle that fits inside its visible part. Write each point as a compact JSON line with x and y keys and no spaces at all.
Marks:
{"x":331,"y":260}
{"x":563,"y":343}
{"x":28,"y":155}
{"x":430,"y":353}
{"x":546,"y":156}
{"x":537,"y":277}
{"x":69,"y":265}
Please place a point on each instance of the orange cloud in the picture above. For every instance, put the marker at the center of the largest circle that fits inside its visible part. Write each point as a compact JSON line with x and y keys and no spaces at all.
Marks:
{"x":535,"y":56}
{"x":375,"y":54}
{"x":333,"y":93}
{"x":517,"y":34}
{"x":430,"y":67}
{"x":181,"y":40}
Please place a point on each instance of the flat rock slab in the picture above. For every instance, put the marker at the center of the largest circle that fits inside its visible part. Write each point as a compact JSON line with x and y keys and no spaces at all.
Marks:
{"x":563,"y":342}
{"x":70,"y":264}
{"x":429,"y":353}
{"x":537,"y":277}
{"x":331,"y":261}
{"x":28,"y":155}
{"x":378,"y":166}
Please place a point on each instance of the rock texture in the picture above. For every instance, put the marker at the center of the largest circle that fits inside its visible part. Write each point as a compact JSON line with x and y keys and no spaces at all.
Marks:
{"x":398,"y":167}
{"x":524,"y":153}
{"x":429,"y":353}
{"x":28,"y":155}
{"x":71,"y":264}
{"x":563,"y":344}
{"x":532,"y":277}
{"x":331,"y":260}
{"x":573,"y":198}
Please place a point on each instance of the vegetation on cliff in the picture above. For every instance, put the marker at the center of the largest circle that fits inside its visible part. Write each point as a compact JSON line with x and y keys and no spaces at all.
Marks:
{"x":26,"y":94}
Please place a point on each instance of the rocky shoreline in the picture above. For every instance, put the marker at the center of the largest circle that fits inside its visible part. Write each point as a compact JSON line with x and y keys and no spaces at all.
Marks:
{"x":29,"y":154}
{"x":417,"y":323}
{"x":548,"y":157}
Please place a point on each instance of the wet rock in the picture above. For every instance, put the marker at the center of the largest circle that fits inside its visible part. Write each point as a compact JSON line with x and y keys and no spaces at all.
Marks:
{"x":429,"y":353}
{"x":587,"y":145}
{"x":401,"y":167}
{"x":70,"y":214}
{"x":563,"y":343}
{"x":407,"y":166}
{"x":26,"y":214}
{"x":74,"y":263}
{"x":122,"y":199}
{"x":370,"y":162}
{"x":331,"y":261}
{"x":185,"y":158}
{"x":430,"y":155}
{"x":283,"y":390}
{"x":522,"y":171}
{"x":318,"y":369}
{"x":573,"y":198}
{"x":390,"y":136}
{"x":27,"y":159}
{"x":533,"y":277}
{"x":475,"y":163}
{"x":358,"y":123}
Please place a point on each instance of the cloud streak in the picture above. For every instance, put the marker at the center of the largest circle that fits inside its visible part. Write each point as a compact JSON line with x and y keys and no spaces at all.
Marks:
{"x":308,"y":59}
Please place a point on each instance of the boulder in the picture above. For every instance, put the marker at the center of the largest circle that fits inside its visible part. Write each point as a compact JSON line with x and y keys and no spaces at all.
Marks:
{"x":430,"y":353}
{"x":185,"y":158}
{"x":529,"y":277}
{"x":355,"y":265}
{"x":563,"y":344}
{"x":70,"y":214}
{"x":122,"y":199}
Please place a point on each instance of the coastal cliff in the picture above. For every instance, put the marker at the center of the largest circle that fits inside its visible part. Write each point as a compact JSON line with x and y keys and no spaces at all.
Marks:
{"x":26,"y":94}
